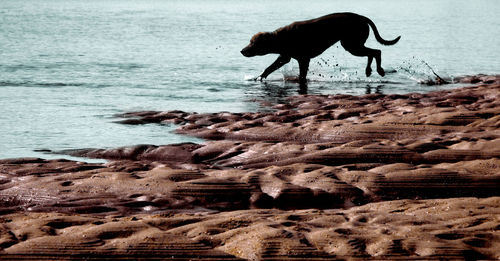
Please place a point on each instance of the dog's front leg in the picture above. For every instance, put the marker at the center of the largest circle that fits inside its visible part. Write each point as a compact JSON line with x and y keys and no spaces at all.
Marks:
{"x":282,"y":60}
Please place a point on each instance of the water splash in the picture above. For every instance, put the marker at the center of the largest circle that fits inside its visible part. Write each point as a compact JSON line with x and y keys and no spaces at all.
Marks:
{"x":249,"y":77}
{"x":420,"y":71}
{"x":327,"y":71}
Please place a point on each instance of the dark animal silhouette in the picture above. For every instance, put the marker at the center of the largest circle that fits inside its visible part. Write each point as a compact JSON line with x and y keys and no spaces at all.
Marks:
{"x":307,"y":39}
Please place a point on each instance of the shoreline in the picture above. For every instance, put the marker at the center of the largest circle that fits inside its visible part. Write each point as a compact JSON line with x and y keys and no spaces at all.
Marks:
{"x":322,"y":176}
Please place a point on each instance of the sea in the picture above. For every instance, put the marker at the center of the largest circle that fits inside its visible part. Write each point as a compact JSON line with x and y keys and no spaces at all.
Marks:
{"x":67,"y":67}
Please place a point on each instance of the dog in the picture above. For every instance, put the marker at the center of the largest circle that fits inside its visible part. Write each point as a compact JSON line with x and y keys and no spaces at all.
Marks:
{"x":305,"y":40}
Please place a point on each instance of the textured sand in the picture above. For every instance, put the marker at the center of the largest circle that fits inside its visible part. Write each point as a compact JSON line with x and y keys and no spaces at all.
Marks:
{"x":459,"y":228}
{"x":321,"y":177}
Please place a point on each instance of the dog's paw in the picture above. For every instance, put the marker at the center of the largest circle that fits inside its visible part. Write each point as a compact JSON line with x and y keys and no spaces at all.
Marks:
{"x":381,"y":72}
{"x":259,"y":78}
{"x":368,"y":71}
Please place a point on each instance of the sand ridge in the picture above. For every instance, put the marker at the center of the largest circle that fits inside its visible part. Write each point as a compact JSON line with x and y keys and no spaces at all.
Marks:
{"x":400,"y":229}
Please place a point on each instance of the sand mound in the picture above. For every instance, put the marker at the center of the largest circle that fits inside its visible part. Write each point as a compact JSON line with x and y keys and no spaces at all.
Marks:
{"x":460,"y":228}
{"x":121,"y":189}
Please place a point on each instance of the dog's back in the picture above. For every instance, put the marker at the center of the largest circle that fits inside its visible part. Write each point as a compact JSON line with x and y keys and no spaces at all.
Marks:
{"x":310,"y":38}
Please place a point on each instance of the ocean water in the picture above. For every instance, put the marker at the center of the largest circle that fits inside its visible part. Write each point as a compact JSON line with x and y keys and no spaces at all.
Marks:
{"x":68,"y":66}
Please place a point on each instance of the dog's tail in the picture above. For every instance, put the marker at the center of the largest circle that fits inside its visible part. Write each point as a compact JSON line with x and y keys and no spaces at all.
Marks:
{"x":378,"y":37}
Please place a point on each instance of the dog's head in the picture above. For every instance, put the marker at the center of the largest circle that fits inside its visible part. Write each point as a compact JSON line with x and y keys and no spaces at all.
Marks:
{"x":260,"y":44}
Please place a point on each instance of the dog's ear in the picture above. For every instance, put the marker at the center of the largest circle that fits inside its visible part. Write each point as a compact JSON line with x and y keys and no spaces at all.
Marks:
{"x":261,"y":37}
{"x":267,"y":36}
{"x":255,"y":37}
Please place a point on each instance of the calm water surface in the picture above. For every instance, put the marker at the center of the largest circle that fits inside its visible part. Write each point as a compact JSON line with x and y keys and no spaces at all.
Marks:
{"x":66,"y":67}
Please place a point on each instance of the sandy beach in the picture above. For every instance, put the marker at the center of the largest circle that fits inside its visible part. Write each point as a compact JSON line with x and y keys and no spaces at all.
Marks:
{"x":400,"y":176}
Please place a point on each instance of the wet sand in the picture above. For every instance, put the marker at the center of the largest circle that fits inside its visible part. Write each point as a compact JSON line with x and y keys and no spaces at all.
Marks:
{"x":319,"y":177}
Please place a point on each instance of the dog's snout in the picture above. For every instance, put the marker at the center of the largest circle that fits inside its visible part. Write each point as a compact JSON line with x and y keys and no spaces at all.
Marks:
{"x":245,"y":52}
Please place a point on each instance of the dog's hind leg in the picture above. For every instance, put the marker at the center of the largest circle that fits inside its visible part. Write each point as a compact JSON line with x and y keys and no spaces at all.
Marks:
{"x":282,"y":60}
{"x":368,"y":69}
{"x":303,"y":68}
{"x":357,"y":49}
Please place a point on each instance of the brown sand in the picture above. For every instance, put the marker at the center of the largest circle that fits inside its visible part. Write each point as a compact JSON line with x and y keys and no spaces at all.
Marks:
{"x":322,"y":177}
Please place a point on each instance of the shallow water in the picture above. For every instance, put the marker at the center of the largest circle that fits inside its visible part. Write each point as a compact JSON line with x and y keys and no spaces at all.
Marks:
{"x":66,"y":67}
